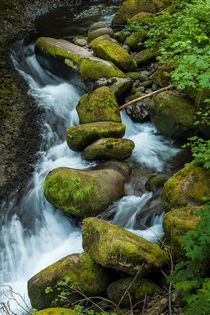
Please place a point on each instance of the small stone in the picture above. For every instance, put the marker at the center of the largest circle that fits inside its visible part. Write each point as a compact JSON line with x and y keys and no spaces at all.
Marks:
{"x":154,"y":87}
{"x":81,"y":42}
{"x":98,"y":25}
{"x":140,"y":89}
{"x":126,"y":47}
{"x":143,"y":77}
{"x":146,"y":83}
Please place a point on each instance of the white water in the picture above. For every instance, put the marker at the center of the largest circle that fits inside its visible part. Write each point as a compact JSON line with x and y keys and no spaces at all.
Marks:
{"x":38,"y":235}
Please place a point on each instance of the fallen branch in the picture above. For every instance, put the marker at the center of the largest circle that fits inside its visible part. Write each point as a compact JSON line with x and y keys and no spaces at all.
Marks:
{"x":145,"y":96}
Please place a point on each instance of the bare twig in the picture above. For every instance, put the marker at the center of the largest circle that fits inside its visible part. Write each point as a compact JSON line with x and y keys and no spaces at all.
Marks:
{"x":145,"y":96}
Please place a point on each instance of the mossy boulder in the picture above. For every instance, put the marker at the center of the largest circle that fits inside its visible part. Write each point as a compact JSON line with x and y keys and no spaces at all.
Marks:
{"x":80,"y":136}
{"x":79,"y":268}
{"x":161,"y":77}
{"x":55,"y":311}
{"x":113,"y":247}
{"x":98,"y":105}
{"x":177,"y":223}
{"x":93,"y":69}
{"x":142,"y":17}
{"x":137,"y":291}
{"x":155,"y":182}
{"x":186,"y":187}
{"x":130,"y":8}
{"x":108,"y":50}
{"x":145,"y":56}
{"x":173,"y":115}
{"x":86,"y":192}
{"x":92,"y":34}
{"x":109,"y":148}
{"x":134,"y":39}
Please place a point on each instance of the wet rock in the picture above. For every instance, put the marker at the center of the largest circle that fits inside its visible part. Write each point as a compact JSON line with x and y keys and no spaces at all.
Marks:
{"x":80,"y":136}
{"x":130,"y":8}
{"x":99,"y":32}
{"x":98,"y":105}
{"x":80,"y":268}
{"x":145,"y":56}
{"x":173,"y":115}
{"x":144,"y":76}
{"x":176,"y":223}
{"x":133,"y":75}
{"x":80,"y":41}
{"x":97,"y":25}
{"x":146,"y":83}
{"x":121,"y":36}
{"x":184,"y":188}
{"x":155,"y":182}
{"x":161,"y":77}
{"x":113,"y":247}
{"x":137,"y":291}
{"x":142,"y":17}
{"x":86,"y":192}
{"x":140,"y":110}
{"x":106,"y":49}
{"x":134,"y":39}
{"x":109,"y":148}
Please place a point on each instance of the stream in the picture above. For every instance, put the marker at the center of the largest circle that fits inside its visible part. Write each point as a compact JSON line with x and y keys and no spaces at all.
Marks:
{"x":34,"y":234}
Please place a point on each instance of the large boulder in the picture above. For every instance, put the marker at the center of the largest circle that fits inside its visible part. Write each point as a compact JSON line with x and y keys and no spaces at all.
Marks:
{"x":134,"y":40}
{"x":109,"y":148}
{"x":113,"y":247}
{"x":173,"y":115}
{"x":80,"y":136}
{"x":61,"y":56}
{"x":145,"y":56}
{"x":98,"y":105}
{"x":177,"y":223}
{"x":137,"y":291}
{"x":130,"y":8}
{"x":106,"y":49}
{"x":55,"y":311}
{"x":186,"y":187}
{"x":86,"y":192}
{"x":80,"y":269}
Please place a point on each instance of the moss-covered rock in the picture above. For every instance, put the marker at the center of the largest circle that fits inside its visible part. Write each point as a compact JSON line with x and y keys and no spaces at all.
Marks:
{"x":113,"y":247}
{"x":109,"y":148}
{"x":108,"y":50}
{"x":173,"y":115}
{"x":177,"y":223}
{"x":186,"y":187}
{"x":55,"y":311}
{"x":137,"y":291}
{"x":161,"y":76}
{"x":80,"y":136}
{"x":133,"y":75}
{"x":93,"y":69}
{"x":145,"y":56}
{"x":98,"y":105}
{"x":130,"y":8}
{"x":142,"y":17}
{"x":86,"y":192}
{"x":121,"y":35}
{"x":155,"y":182}
{"x":92,"y":34}
{"x":80,"y":268}
{"x":135,"y":39}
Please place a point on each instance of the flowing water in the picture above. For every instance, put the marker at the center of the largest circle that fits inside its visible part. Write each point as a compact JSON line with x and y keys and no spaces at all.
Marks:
{"x":34,"y":234}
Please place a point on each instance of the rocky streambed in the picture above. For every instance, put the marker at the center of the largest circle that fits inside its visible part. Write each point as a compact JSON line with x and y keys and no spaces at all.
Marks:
{"x":78,"y":83}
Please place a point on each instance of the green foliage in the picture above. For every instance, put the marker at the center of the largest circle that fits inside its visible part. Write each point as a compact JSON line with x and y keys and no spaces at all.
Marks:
{"x":181,"y":33}
{"x":200,"y":150}
{"x":190,"y":275}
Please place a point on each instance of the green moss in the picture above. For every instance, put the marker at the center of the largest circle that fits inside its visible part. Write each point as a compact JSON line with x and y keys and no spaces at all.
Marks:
{"x":142,"y":17}
{"x":133,"y":75}
{"x":113,"y":247}
{"x":137,"y":291}
{"x":94,"y":69}
{"x":156,"y":181}
{"x":134,"y":40}
{"x":80,"y":268}
{"x":80,"y":136}
{"x":145,"y":56}
{"x":161,"y":76}
{"x":84,"y":193}
{"x":109,"y":148}
{"x":173,"y":115}
{"x":177,"y":223}
{"x":106,"y":49}
{"x":98,"y":105}
{"x":186,"y":187}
